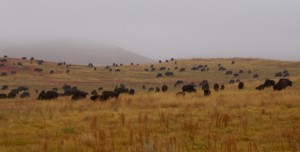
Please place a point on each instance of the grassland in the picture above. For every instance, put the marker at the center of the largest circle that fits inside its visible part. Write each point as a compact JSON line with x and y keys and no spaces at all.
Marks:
{"x":231,"y":121}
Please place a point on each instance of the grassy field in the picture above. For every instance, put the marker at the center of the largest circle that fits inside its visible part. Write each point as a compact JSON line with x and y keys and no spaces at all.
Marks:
{"x":229,"y":121}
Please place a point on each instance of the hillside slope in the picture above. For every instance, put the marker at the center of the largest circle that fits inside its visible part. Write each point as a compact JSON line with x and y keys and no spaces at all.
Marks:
{"x":75,"y":53}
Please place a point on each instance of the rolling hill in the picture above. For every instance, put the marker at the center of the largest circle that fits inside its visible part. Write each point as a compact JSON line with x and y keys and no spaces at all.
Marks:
{"x":75,"y":53}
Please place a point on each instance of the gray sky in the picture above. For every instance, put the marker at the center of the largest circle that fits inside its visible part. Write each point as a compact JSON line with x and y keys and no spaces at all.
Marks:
{"x":161,"y":28}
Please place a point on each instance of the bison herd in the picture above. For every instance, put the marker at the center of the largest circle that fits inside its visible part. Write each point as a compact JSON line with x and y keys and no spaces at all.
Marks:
{"x":103,"y":95}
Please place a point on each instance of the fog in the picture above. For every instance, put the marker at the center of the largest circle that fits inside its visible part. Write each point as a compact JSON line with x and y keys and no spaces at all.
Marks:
{"x":160,"y":28}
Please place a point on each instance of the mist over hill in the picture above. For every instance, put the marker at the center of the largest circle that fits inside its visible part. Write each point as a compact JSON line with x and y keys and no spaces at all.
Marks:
{"x":75,"y":53}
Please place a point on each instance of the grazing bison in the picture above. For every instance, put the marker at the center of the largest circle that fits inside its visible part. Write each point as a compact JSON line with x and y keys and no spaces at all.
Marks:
{"x":94,"y":92}
{"x":232,"y":62}
{"x":108,"y":95}
{"x":189,"y":88}
{"x":146,"y":70}
{"x":182,"y":70}
{"x":216,"y":87}
{"x":131,"y":92}
{"x":282,"y":84}
{"x":4,"y":74}
{"x":176,"y":68}
{"x":236,"y":75}
{"x":222,"y":69}
{"x":207,"y":92}
{"x":3,"y":96}
{"x":90,"y":65}
{"x":51,"y":72}
{"x":13,"y":72}
{"x":269,"y":83}
{"x":169,"y":74}
{"x":5,"y":87}
{"x":204,"y":84}
{"x":228,"y":72}
{"x":121,"y":90}
{"x":143,"y":87}
{"x":67,"y":87}
{"x":100,"y":88}
{"x":13,"y":93}
{"x":164,"y":88}
{"x":231,"y":81}
{"x":151,"y":89}
{"x":159,"y":75}
{"x":279,"y":74}
{"x":260,"y":87}
{"x":195,"y":68}
{"x":180,"y":94}
{"x":241,"y":85}
{"x":95,"y":97}
{"x":39,"y":70}
{"x":118,"y":70}
{"x":22,"y":88}
{"x":255,"y":75}
{"x":25,"y":95}
{"x":222,"y":87}
{"x":286,"y":73}
{"x":157,"y":89}
{"x":178,"y":82}
{"x":241,"y":71}
{"x":162,"y":68}
{"x":40,"y":61}
{"x":49,"y":95}
{"x":78,"y":95}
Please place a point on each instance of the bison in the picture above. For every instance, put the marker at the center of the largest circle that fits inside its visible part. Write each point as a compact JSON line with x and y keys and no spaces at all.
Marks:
{"x":159,"y":75}
{"x":108,"y":95}
{"x":282,"y":84}
{"x":216,"y":87}
{"x":189,"y":88}
{"x":25,"y":95}
{"x":207,"y":92}
{"x":169,"y":74}
{"x":178,"y":82}
{"x":241,"y":85}
{"x":164,"y":88}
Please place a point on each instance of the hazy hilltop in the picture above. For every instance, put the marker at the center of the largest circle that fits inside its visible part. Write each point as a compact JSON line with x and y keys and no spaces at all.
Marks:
{"x":75,"y":53}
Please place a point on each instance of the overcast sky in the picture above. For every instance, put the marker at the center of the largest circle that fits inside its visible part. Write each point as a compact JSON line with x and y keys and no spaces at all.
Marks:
{"x":161,"y":28}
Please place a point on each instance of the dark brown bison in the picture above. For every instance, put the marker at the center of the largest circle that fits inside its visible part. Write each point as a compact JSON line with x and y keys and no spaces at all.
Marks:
{"x":182,"y":70}
{"x":25,"y":95}
{"x":189,"y":88}
{"x":131,"y":92}
{"x":178,"y":82}
{"x":164,"y":88}
{"x":207,"y":92}
{"x":108,"y":95}
{"x":216,"y":87}
{"x":241,"y":85}
{"x":282,"y":84}
{"x":159,"y":75}
{"x":222,"y":87}
{"x":169,"y":74}
{"x":49,"y":95}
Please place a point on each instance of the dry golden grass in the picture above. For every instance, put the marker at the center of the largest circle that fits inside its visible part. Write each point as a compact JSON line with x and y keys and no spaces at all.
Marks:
{"x":227,"y":121}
